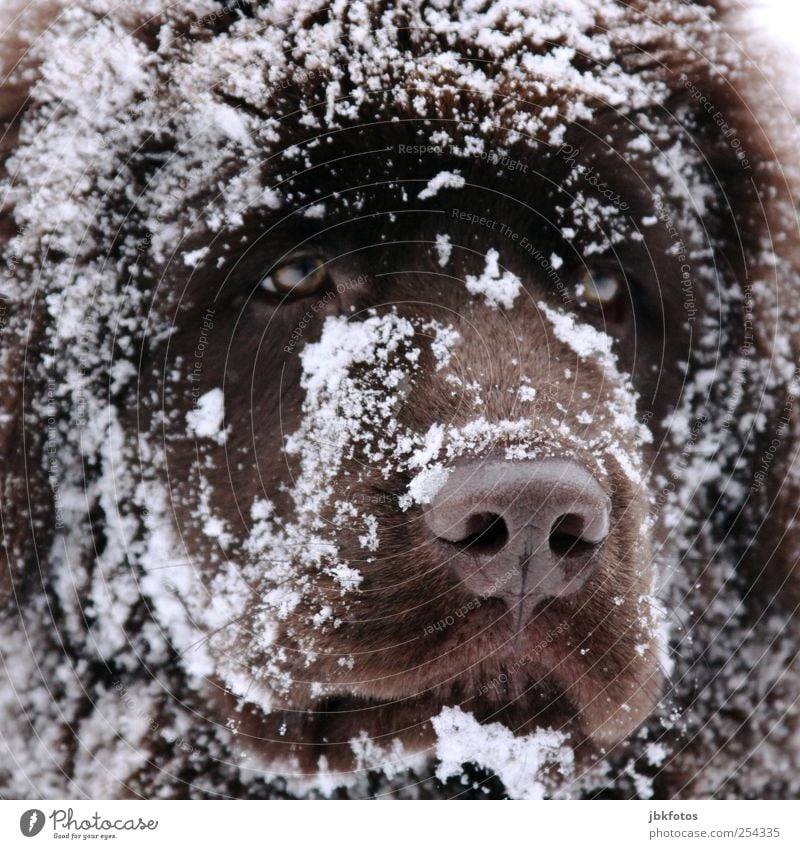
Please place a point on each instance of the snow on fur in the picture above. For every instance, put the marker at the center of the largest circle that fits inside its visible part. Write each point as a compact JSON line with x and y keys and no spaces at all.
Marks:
{"x":519,"y":762}
{"x":101,"y":95}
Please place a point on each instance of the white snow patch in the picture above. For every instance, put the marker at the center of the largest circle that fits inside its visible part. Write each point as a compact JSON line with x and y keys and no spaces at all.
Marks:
{"x":443,"y":180}
{"x":206,"y":419}
{"x":444,"y":341}
{"x":316,"y":210}
{"x":423,"y":486}
{"x":499,"y":289}
{"x":519,"y":762}
{"x":585,"y":340}
{"x":444,"y":248}
{"x":193,"y":258}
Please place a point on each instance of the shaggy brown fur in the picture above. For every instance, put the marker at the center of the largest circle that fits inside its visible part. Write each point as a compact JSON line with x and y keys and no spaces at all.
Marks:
{"x":701,"y":230}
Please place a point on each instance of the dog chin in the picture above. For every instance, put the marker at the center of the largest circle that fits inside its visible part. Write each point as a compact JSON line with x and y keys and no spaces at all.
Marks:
{"x":522,"y":694}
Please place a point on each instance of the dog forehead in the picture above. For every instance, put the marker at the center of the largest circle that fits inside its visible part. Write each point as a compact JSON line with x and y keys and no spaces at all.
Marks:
{"x":477,"y":64}
{"x":422,"y":90}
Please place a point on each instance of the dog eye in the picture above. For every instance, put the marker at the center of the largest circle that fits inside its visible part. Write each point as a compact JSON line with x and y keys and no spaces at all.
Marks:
{"x":603,"y":290}
{"x":301,"y":276}
{"x":600,"y":288}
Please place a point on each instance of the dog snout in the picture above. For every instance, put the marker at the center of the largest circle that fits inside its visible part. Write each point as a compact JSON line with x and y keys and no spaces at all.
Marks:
{"x":521,"y":531}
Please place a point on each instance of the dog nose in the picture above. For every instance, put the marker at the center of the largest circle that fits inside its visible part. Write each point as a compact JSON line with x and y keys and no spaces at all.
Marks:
{"x":521,"y":531}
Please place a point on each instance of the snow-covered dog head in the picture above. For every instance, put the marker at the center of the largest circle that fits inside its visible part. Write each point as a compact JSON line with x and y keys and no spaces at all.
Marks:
{"x":401,"y":362}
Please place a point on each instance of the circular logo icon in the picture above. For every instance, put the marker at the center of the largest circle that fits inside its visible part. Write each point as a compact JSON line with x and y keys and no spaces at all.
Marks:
{"x":31,"y":822}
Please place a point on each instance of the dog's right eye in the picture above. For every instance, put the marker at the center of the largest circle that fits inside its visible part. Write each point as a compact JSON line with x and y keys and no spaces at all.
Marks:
{"x":296,"y":279}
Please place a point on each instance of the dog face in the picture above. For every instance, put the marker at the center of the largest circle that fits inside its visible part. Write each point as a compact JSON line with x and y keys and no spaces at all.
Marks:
{"x":415,"y":473}
{"x":381,"y":561}
{"x":424,"y":371}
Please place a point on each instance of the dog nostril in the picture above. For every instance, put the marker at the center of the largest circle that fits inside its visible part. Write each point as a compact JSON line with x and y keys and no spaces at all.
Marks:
{"x":566,"y":536}
{"x":520,"y":532}
{"x":486,"y":533}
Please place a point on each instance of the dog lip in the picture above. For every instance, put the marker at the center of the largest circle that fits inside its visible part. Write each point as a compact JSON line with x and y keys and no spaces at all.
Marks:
{"x":496,"y":673}
{"x":464,"y":690}
{"x":467,"y":660}
{"x":522,"y":713}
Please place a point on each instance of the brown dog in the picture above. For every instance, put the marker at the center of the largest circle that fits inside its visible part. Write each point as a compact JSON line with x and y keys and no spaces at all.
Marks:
{"x":395,"y":392}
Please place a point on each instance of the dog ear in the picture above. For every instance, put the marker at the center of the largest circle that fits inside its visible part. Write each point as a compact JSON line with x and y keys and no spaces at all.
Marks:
{"x":22,"y":484}
{"x":768,"y":526}
{"x":741,"y":125}
{"x":751,"y":144}
{"x":768,"y":529}
{"x":21,"y":24}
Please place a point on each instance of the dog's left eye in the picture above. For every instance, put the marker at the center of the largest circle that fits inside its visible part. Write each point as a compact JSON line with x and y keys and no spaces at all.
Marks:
{"x":300,"y":277}
{"x":604,"y":290}
{"x":600,"y":288}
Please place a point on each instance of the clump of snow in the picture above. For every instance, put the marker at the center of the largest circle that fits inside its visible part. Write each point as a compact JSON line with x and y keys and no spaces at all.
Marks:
{"x":194,"y":258}
{"x":430,"y":449}
{"x":316,"y":210}
{"x":370,"y":539}
{"x":424,"y":485}
{"x":444,"y":340}
{"x":521,"y":763}
{"x":498,"y":289}
{"x":443,"y":180}
{"x":444,"y":248}
{"x":391,"y":759}
{"x":208,"y":416}
{"x":584,"y":339}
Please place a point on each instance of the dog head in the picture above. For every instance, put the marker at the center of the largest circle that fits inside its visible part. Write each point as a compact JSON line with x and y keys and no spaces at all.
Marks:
{"x":426,"y":366}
